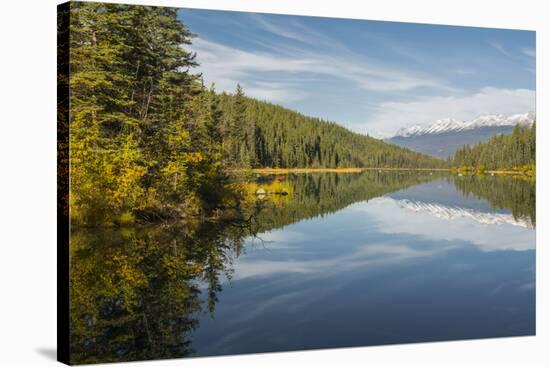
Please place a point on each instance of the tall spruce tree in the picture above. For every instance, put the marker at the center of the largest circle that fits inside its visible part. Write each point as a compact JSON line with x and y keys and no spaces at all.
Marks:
{"x":135,"y":107}
{"x":102,"y":129}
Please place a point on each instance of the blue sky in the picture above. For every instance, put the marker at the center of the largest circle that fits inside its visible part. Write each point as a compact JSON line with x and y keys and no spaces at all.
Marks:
{"x":370,"y":76}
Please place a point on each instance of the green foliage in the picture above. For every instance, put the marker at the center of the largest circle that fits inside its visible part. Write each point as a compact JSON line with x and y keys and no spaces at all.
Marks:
{"x":510,"y":192}
{"x":127,"y":218}
{"x":318,"y":194}
{"x":516,"y":152}
{"x":261,"y":134}
{"x":144,"y":301}
{"x":147,"y":138}
{"x":144,"y":131}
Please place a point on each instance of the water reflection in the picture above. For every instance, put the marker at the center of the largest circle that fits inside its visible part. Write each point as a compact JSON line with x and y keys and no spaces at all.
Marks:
{"x":515,"y":194}
{"x":488,"y":231}
{"x":457,"y":212}
{"x":136,"y":293}
{"x":353,"y":259}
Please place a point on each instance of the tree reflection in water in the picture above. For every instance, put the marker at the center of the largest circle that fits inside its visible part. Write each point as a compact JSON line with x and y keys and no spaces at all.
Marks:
{"x":137,"y":293}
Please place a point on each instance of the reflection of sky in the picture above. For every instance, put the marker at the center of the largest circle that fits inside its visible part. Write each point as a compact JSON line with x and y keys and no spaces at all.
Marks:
{"x":376,"y":273}
{"x":443,"y":193}
{"x":399,"y":217}
{"x":386,"y":230}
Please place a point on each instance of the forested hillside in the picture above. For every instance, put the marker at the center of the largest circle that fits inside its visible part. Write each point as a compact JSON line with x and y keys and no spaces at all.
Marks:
{"x":274,"y":136}
{"x":516,"y":151}
{"x":149,"y":139}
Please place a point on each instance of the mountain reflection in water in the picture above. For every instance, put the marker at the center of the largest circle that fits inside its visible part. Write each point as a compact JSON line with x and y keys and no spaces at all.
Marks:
{"x":346,"y":260}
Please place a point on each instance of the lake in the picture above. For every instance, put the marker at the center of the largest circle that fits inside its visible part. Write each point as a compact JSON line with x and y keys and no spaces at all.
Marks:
{"x":352,"y":259}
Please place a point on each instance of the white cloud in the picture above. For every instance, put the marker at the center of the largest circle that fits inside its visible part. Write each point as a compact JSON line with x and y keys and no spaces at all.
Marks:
{"x":274,"y":91}
{"x":286,"y":32}
{"x":227,"y":66}
{"x":529,"y":52}
{"x":500,"y":48}
{"x":391,"y":116}
{"x":463,"y":71}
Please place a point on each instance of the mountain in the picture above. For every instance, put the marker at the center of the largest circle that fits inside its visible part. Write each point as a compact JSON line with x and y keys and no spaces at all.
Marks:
{"x":443,"y":137}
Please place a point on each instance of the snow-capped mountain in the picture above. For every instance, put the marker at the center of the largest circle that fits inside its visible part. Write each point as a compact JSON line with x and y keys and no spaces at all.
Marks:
{"x":450,"y":124}
{"x":443,"y":137}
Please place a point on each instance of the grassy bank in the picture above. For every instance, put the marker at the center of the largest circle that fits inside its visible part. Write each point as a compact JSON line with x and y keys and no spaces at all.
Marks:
{"x":526,"y":171}
{"x":501,"y":172}
{"x":267,"y":171}
{"x":511,"y":172}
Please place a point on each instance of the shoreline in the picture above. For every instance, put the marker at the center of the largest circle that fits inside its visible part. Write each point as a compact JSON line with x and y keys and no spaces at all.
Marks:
{"x":282,"y":171}
{"x":338,"y":170}
{"x":496,"y":173}
{"x":510,"y":173}
{"x":507,"y":172}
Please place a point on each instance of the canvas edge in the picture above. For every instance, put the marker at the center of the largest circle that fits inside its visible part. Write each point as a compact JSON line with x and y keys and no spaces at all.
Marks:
{"x":63,"y":297}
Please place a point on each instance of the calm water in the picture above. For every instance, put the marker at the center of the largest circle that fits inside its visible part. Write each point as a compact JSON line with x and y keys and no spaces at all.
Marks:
{"x":345,"y":260}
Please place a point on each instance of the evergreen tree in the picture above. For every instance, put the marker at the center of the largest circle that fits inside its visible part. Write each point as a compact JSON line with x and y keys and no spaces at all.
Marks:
{"x":148,"y":140}
{"x":143,"y":129}
{"x":102,"y":129}
{"x":278,"y":137}
{"x":516,"y":151}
